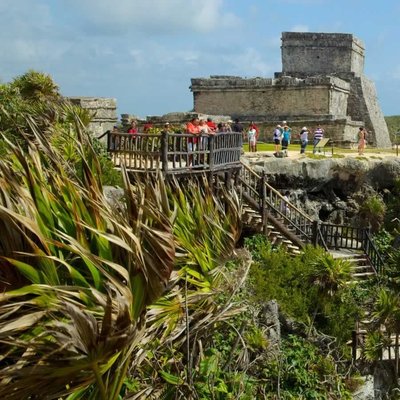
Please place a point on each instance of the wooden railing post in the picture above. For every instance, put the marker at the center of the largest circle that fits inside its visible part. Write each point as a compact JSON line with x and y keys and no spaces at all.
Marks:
{"x":211,"y":144}
{"x":315,"y":233}
{"x":354,"y":344}
{"x":108,"y":141}
{"x":164,"y":152}
{"x":263,"y":197}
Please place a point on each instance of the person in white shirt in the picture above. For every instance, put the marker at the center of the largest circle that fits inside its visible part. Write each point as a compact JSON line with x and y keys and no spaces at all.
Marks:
{"x":303,"y":139}
{"x":252,"y":136}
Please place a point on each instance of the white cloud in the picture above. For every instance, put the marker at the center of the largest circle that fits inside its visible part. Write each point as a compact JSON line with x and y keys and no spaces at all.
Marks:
{"x":154,"y":16}
{"x":300,"y":28}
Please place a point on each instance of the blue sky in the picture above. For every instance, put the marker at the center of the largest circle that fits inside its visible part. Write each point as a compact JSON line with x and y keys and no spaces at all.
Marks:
{"x":144,"y":52}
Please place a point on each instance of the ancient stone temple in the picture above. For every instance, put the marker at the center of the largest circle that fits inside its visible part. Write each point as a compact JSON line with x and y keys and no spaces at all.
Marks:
{"x":103,"y":110}
{"x":322,"y":82}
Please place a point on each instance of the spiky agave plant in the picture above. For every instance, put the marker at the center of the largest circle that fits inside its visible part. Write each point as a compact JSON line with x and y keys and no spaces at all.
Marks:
{"x":201,"y":290}
{"x":77,"y":273}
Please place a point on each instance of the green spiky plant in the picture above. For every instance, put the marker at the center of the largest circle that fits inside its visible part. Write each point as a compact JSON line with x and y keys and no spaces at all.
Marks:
{"x":77,"y":273}
{"x":387,"y":312}
{"x":206,"y":229}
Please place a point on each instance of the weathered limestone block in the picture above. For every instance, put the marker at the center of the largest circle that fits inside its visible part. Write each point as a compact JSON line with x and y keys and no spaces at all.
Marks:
{"x":321,"y":53}
{"x":104,"y":111}
{"x":267,"y":98}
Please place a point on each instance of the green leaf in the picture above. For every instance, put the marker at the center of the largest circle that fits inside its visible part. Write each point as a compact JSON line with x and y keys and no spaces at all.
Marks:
{"x":172,"y":379}
{"x":27,"y":270}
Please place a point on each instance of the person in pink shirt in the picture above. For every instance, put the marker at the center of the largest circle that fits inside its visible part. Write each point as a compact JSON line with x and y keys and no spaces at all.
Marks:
{"x":193,"y":127}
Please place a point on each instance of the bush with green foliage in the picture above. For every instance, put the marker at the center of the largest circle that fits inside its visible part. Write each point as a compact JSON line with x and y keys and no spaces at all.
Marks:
{"x":304,"y":372}
{"x":311,"y":287}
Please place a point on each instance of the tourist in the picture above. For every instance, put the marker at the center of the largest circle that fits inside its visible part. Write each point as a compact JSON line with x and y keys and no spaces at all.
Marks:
{"x":147,"y":126}
{"x":303,"y":139}
{"x":252,"y":137}
{"x":192,"y":128}
{"x":286,"y":136}
{"x":204,"y":130}
{"x":167,"y":128}
{"x":220,"y":127}
{"x":252,"y":125}
{"x":318,"y":136}
{"x":133,"y":128}
{"x":362,"y":140}
{"x":228,"y":127}
{"x":277,"y":136}
{"x":237,"y":126}
{"x":211,"y":124}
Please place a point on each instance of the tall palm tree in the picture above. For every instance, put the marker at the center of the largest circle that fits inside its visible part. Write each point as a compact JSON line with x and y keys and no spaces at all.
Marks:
{"x":327,"y":275}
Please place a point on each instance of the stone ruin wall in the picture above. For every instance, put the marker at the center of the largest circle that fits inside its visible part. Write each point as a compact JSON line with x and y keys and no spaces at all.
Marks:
{"x":271,"y":99}
{"x":310,"y":54}
{"x":364,"y":105}
{"x":104,"y":111}
{"x":346,"y":94}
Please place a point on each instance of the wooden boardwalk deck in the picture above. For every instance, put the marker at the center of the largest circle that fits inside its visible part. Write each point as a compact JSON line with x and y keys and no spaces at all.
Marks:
{"x":175,"y":153}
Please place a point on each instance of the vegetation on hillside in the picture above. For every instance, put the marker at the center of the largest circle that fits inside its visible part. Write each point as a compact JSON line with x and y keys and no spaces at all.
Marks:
{"x":149,"y":297}
{"x":393,"y":124}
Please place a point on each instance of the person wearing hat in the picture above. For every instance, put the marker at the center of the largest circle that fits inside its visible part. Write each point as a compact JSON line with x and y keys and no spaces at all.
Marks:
{"x":303,"y":139}
{"x":277,"y":137}
{"x":167,"y":127}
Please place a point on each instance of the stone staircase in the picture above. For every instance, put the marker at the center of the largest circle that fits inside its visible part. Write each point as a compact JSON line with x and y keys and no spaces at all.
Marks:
{"x":361,"y":270}
{"x":253,"y":219}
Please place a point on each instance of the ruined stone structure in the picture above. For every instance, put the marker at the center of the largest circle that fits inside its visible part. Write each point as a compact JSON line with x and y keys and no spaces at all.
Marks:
{"x":104,"y":111}
{"x":322,"y":81}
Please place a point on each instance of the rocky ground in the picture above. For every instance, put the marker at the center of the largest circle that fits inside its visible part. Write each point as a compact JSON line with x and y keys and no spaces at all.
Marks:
{"x":330,"y":188}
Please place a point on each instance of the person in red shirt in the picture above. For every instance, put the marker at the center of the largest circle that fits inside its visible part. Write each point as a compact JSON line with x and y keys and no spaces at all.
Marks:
{"x":147,"y":126}
{"x":211,"y":125}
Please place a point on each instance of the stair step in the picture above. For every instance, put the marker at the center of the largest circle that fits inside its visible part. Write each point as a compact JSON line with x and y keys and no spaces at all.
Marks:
{"x":358,"y":267}
{"x":363,"y":274}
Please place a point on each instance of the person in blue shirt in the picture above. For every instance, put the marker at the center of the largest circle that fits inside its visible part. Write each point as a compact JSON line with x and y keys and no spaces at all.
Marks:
{"x":286,"y":136}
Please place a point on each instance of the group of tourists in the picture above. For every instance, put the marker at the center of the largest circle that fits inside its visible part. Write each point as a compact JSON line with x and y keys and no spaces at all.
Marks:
{"x":282,"y":136}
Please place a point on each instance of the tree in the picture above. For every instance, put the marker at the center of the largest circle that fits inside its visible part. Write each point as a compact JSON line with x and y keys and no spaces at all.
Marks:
{"x":387,"y":313}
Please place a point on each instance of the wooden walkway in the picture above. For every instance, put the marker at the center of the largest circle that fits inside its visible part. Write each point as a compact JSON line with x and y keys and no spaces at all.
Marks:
{"x":176,"y":153}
